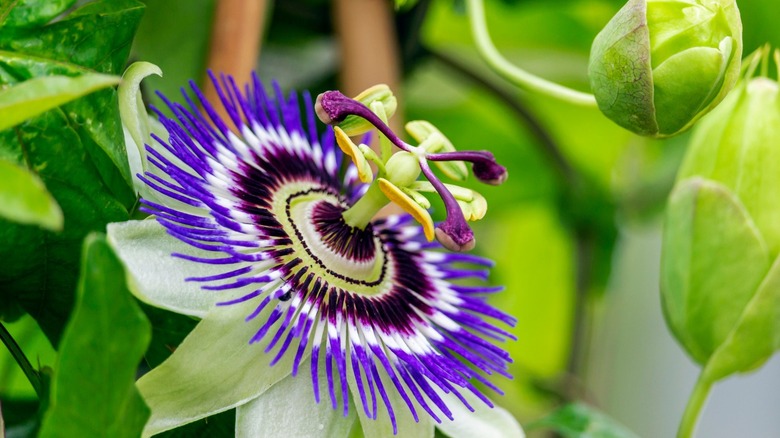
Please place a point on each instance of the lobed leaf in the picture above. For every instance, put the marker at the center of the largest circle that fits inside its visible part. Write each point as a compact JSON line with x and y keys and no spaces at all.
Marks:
{"x":93,"y":392}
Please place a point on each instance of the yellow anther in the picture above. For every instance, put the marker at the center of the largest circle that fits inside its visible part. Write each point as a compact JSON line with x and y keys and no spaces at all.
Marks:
{"x":419,"y":214}
{"x":348,"y":147}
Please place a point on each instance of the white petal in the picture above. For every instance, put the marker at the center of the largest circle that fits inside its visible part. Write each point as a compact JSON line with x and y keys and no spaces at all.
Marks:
{"x":382,"y":427}
{"x":288,"y":409}
{"x":213,"y":370}
{"x":157,"y":278}
{"x":484,"y":422}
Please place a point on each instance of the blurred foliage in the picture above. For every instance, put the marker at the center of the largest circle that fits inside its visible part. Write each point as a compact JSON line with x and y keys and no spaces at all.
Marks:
{"x":577,"y":420}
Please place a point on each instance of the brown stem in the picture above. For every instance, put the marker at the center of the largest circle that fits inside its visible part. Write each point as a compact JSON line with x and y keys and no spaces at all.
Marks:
{"x":584,"y":242}
{"x":369,"y":54}
{"x":235,"y":42}
{"x":369,"y":48}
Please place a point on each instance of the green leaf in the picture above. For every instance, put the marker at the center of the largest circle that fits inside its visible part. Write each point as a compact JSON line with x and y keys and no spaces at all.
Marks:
{"x":77,"y":150}
{"x":93,"y":392}
{"x":713,"y":261}
{"x":24,"y":199}
{"x":32,"y":97}
{"x":28,"y":13}
{"x":577,"y":420}
{"x":41,"y":267}
{"x":179,"y":47}
{"x":97,"y":36}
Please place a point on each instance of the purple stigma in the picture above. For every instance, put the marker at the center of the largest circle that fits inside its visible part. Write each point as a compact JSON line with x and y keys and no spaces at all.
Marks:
{"x":485,"y":167}
{"x":332,"y":107}
{"x":454,"y":233}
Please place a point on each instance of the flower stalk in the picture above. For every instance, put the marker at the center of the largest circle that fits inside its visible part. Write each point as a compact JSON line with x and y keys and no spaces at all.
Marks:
{"x":21,"y":360}
{"x":513,"y":73}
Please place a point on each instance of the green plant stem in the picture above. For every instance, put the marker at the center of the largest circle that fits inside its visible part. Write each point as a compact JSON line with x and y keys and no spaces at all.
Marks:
{"x":21,"y":359}
{"x":511,"y":72}
{"x":695,"y":404}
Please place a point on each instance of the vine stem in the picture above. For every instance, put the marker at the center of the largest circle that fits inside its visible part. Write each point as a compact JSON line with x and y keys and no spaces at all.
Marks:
{"x":21,"y":359}
{"x":695,"y":404}
{"x":513,"y":73}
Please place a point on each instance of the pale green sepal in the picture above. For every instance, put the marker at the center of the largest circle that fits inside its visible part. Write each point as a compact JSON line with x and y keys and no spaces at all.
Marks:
{"x":484,"y":422}
{"x":757,"y":334}
{"x":131,"y":105}
{"x":214,"y":369}
{"x":381,"y":427}
{"x":24,"y":198}
{"x":288,"y":409}
{"x":34,"y":96}
{"x":713,"y":260}
{"x":157,"y":278}
{"x":658,"y":66}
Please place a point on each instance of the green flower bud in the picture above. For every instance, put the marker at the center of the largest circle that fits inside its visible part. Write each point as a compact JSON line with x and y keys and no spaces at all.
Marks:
{"x":720,"y":276}
{"x":659,"y":65}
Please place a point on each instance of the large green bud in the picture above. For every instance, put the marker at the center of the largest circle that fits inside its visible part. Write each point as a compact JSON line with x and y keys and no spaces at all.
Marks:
{"x":720,"y":279}
{"x":659,"y":65}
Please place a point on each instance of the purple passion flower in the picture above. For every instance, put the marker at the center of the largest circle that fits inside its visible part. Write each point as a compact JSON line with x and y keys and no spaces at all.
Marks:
{"x":259,"y":201}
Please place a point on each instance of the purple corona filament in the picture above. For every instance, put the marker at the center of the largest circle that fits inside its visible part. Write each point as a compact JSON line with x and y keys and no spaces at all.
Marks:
{"x":372,"y":305}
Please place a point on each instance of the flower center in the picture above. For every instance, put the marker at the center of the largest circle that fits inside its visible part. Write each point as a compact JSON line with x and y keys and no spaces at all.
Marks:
{"x":347,"y":257}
